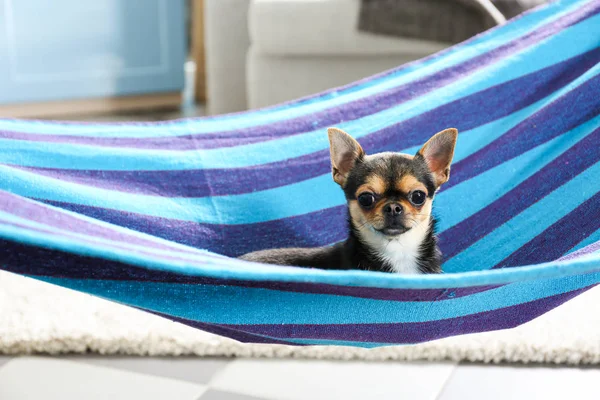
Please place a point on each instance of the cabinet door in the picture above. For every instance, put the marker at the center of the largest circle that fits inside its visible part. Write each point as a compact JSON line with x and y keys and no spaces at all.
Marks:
{"x":70,"y":49}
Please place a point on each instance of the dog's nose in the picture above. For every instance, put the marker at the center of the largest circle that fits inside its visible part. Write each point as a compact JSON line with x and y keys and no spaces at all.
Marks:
{"x":393,"y":209}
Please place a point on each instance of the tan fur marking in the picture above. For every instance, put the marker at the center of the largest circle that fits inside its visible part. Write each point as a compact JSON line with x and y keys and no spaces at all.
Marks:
{"x":375,"y":215}
{"x":409,"y":183}
{"x":425,"y":212}
{"x":361,"y":217}
{"x":373,"y":184}
{"x":356,"y":213}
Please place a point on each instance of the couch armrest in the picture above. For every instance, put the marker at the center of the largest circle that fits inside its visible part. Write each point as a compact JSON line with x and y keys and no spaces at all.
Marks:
{"x":226,"y":44}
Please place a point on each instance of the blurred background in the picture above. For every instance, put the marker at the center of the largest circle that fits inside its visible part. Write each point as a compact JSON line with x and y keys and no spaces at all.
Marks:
{"x":162,"y":59}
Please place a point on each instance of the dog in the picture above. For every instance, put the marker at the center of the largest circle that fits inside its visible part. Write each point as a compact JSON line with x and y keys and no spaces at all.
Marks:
{"x":390,"y":197}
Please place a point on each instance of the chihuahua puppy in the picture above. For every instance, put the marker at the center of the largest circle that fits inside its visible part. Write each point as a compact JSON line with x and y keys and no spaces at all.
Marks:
{"x":390,"y":198}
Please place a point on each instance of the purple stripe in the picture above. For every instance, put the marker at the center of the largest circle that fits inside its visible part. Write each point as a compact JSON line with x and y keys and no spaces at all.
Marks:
{"x":42,"y":214}
{"x":408,"y":333}
{"x":592,"y":248}
{"x":348,"y":111}
{"x":172,"y":256}
{"x":562,"y":115}
{"x":561,"y":170}
{"x":560,"y":237}
{"x":27,"y":259}
{"x":498,"y":102}
{"x":319,"y":228}
{"x":36,"y":261}
{"x":232,"y":333}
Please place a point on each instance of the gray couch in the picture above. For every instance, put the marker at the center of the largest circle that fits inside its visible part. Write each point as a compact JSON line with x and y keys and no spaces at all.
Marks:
{"x":263,"y":52}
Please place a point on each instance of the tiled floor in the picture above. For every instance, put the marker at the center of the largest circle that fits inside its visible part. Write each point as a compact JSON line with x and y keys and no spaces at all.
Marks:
{"x":185,"y":378}
{"x":297,"y":380}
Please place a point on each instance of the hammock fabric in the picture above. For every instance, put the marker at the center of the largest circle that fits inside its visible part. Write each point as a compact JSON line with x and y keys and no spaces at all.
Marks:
{"x":149,"y":214}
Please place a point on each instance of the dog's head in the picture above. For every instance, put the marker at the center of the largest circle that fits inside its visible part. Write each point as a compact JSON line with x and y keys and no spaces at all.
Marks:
{"x":390,"y":193}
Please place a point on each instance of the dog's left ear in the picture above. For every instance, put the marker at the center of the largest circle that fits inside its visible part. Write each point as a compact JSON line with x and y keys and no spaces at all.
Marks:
{"x":438,"y":153}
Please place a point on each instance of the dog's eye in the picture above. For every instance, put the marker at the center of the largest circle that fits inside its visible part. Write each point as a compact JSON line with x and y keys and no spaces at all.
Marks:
{"x":418,"y":197}
{"x":366,"y":199}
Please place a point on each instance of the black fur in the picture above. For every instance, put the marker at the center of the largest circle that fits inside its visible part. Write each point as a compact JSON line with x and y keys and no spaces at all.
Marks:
{"x":354,"y":252}
{"x":350,"y":254}
{"x":430,"y":256}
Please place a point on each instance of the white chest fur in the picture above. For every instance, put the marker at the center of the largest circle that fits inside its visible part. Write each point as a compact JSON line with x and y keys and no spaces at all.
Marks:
{"x":401,"y":252}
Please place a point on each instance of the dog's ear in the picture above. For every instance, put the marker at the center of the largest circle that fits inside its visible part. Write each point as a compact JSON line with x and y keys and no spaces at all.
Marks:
{"x":345,"y":152}
{"x":438,"y":153}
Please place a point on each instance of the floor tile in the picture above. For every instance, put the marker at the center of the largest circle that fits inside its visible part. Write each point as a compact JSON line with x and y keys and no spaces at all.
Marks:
{"x":220,"y":395}
{"x":5,"y":359}
{"x":47,"y":378}
{"x":191,"y":369}
{"x":313,"y":379}
{"x":492,"y":382}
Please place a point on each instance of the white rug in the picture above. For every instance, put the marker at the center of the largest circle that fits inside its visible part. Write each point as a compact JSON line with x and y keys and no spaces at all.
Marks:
{"x":38,"y":317}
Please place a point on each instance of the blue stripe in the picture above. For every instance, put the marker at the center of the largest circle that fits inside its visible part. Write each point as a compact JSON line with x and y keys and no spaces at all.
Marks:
{"x":224,"y":304}
{"x":509,"y":237}
{"x":445,"y":59}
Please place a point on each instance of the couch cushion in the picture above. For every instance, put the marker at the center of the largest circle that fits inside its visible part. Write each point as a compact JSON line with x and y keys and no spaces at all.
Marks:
{"x":288,"y":27}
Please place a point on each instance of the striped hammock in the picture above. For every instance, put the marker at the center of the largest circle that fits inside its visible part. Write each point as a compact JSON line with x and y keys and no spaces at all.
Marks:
{"x":151,"y":214}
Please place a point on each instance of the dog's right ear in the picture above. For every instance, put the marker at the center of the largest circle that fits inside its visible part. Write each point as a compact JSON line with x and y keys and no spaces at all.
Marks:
{"x":345,"y":152}
{"x":438,"y":153}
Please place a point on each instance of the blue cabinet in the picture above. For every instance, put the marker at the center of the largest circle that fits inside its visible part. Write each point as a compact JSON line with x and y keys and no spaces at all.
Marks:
{"x":72,"y":49}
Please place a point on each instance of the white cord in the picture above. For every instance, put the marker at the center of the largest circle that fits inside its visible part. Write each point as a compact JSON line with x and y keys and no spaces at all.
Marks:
{"x":490,"y":9}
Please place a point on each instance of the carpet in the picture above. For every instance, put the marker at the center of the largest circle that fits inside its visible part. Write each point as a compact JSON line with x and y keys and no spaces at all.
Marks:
{"x":36,"y":317}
